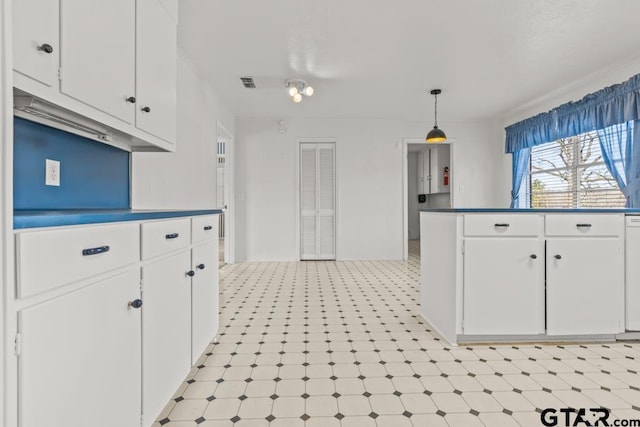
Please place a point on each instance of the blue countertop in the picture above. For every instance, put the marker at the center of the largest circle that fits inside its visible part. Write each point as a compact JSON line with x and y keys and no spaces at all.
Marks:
{"x":627,"y":211}
{"x":45,"y":218}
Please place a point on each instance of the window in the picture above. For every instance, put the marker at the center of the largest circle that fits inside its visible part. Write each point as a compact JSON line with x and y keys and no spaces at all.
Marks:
{"x":570,"y":173}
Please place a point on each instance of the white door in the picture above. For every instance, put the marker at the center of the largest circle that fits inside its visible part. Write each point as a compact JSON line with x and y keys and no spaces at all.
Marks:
{"x":317,"y":201}
{"x":503,"y":286}
{"x":585,"y":286}
{"x":204,"y":297}
{"x":633,"y":275}
{"x":156,"y":43}
{"x":80,"y":361}
{"x":166,"y":331}
{"x":36,"y":50}
{"x":97,"y":54}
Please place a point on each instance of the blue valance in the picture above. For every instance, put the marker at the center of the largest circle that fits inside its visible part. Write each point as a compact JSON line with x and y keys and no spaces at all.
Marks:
{"x":607,"y":107}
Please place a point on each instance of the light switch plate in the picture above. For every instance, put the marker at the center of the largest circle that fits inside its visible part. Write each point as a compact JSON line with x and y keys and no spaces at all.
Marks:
{"x":52,"y":172}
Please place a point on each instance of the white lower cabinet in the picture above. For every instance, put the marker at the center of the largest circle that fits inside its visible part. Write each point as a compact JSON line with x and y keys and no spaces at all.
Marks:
{"x":204,"y":297}
{"x":166,"y":331}
{"x":80,"y":359}
{"x":503,"y":286}
{"x":585,"y":286}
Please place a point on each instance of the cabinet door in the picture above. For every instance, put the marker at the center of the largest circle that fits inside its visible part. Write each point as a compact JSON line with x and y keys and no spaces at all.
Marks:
{"x":585,"y":286}
{"x":80,"y":361}
{"x":503,"y":286}
{"x":98,"y":54}
{"x":166,"y":331}
{"x":204,"y":297}
{"x":35,"y":25}
{"x":156,"y":70}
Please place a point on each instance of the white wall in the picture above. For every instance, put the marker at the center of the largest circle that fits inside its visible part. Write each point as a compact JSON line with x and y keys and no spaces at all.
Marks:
{"x":369,"y":182}
{"x":187,"y":178}
{"x":573,"y":92}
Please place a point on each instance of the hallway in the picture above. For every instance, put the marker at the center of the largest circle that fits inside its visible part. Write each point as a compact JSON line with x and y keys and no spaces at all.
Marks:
{"x":341,"y":344}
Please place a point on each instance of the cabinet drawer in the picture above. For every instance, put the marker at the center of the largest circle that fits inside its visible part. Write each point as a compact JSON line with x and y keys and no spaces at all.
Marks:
{"x":501,"y":225}
{"x":204,"y":228}
{"x":49,"y":259}
{"x":165,"y":236}
{"x":584,"y":225}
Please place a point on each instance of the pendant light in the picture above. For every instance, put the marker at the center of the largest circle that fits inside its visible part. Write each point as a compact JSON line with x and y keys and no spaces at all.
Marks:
{"x":436,"y":135}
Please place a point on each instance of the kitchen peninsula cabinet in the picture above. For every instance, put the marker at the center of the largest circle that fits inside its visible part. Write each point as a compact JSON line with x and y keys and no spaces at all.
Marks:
{"x":530,"y":275}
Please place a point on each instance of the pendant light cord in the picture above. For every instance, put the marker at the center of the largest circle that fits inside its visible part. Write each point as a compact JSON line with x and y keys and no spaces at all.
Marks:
{"x":436,"y":113}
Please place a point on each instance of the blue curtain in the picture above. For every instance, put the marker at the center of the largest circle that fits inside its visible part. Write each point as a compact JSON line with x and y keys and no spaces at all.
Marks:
{"x":613,"y":111}
{"x":519,"y":169}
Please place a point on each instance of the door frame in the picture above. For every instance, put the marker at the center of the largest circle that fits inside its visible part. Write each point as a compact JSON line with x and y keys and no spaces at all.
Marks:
{"x":297,"y":212}
{"x":405,"y":186}
{"x":229,"y":220}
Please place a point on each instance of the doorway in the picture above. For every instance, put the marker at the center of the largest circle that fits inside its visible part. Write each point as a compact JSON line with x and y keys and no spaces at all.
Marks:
{"x":224,"y":146}
{"x":427,"y":184}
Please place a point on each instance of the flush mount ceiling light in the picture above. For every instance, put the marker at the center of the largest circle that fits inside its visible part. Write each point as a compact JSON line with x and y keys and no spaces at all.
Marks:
{"x":436,"y":135}
{"x":297,"y":88}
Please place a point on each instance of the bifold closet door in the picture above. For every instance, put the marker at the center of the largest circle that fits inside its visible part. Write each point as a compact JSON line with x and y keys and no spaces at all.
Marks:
{"x":317,"y":202}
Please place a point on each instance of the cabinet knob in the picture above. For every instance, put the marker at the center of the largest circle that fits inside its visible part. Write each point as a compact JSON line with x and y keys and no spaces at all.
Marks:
{"x":191,"y":273}
{"x":533,"y":256}
{"x":146,"y":109}
{"x":131,"y":99}
{"x":200,"y":266}
{"x":136,"y":303}
{"x":557,"y":256}
{"x":46,"y":48}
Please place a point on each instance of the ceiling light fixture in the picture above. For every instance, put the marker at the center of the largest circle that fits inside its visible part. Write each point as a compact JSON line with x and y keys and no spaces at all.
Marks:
{"x":436,"y":135}
{"x":297,"y":88}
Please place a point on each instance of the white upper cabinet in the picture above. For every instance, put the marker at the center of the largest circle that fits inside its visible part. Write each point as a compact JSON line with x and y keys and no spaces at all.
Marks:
{"x":36,"y":40}
{"x":97,"y":54}
{"x":156,"y":42}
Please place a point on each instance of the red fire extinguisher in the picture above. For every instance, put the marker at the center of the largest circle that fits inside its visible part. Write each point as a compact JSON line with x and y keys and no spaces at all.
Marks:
{"x":446,"y":176}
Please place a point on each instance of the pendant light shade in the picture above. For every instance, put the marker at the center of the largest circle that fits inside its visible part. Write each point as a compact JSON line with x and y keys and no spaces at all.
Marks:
{"x":436,"y":134}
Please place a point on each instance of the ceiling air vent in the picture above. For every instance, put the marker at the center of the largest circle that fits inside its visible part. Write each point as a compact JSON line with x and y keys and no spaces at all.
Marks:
{"x":248,"y":82}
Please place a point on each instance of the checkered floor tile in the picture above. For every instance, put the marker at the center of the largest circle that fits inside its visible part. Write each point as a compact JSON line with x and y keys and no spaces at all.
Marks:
{"x":341,"y":344}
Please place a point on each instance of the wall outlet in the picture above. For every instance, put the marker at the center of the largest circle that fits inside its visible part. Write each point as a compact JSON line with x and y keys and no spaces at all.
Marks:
{"x":52,"y":172}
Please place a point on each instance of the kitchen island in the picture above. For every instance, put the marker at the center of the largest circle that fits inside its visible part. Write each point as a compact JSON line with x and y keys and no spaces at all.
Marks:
{"x":510,"y":275}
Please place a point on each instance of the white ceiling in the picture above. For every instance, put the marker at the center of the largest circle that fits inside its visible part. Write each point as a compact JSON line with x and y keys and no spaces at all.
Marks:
{"x":379,"y":58}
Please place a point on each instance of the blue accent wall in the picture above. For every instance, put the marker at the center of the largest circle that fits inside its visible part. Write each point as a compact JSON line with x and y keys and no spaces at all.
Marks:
{"x":93,"y":175}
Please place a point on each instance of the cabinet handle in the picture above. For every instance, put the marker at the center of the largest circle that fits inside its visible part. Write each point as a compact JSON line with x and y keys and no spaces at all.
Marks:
{"x":583,"y":225}
{"x":131,"y":99}
{"x":136,"y":303}
{"x":533,"y":256}
{"x":207,"y":227}
{"x":557,"y":256}
{"x":146,"y":109}
{"x":501,"y":225}
{"x":200,"y":266}
{"x":95,"y":251}
{"x":171,"y":236}
{"x":46,"y":48}
{"x":191,"y":273}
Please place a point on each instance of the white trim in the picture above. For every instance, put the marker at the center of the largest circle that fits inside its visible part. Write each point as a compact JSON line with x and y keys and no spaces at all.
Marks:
{"x":405,"y":186}
{"x":8,"y":318}
{"x":229,"y":216}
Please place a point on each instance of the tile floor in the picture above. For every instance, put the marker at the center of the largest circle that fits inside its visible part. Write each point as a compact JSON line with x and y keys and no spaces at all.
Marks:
{"x":341,"y":344}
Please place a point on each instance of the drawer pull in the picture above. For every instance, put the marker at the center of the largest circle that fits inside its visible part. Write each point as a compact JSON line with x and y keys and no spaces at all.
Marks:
{"x":533,"y":256}
{"x":191,"y":273}
{"x":557,"y":256}
{"x":501,"y":225}
{"x":207,"y":227}
{"x":46,"y":48}
{"x":583,"y":225}
{"x":136,"y":303}
{"x":95,"y":251}
{"x":171,"y":236}
{"x":200,"y":266}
